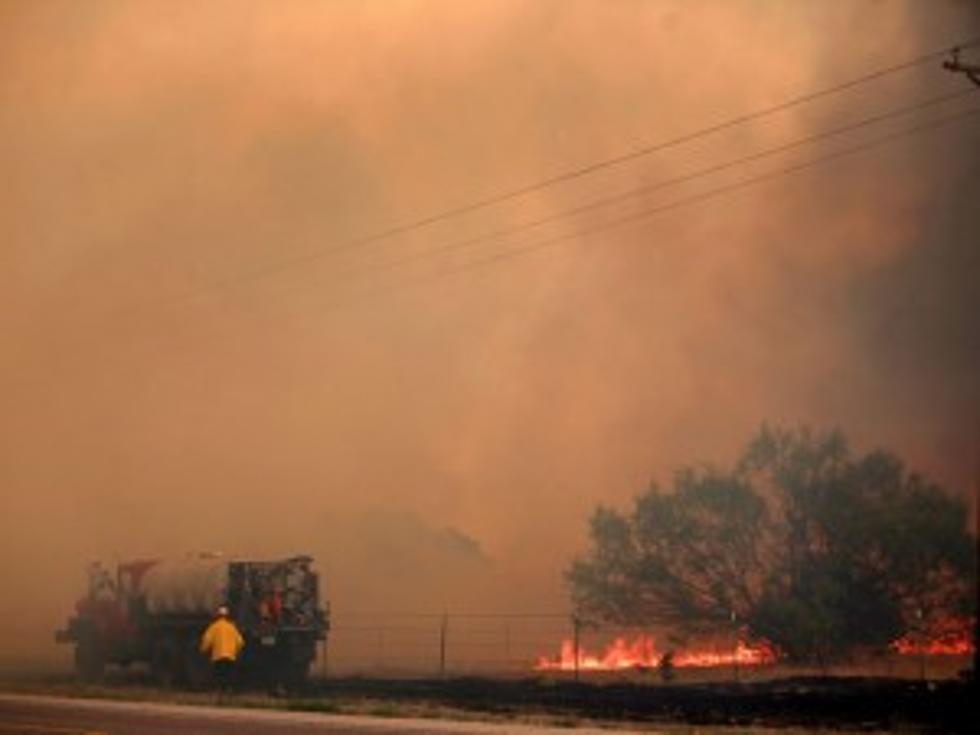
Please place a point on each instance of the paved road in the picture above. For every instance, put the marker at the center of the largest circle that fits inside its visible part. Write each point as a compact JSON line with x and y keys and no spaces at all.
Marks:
{"x":37,"y":715}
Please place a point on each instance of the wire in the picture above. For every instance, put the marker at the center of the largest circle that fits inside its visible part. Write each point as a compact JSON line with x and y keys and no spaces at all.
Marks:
{"x":595,"y":204}
{"x":676,"y":204}
{"x":452,"y":615}
{"x":570,"y":174}
{"x":647,"y":213}
{"x":656,"y":147}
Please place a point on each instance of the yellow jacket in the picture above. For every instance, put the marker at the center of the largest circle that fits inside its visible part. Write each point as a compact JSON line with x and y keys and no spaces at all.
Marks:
{"x":223,"y":640}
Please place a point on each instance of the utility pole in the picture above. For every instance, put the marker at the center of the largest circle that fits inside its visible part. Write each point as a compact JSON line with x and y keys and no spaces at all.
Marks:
{"x":972,"y":72}
{"x":976,"y":531}
{"x":443,"y":632}
{"x":954,"y":64}
{"x":734,"y":619}
{"x":576,"y":645}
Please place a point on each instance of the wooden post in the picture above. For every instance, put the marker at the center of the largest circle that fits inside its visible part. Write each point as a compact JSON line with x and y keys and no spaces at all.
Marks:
{"x":976,"y":537}
{"x":443,"y":628}
{"x":734,"y":617}
{"x":923,"y":641}
{"x":576,"y":638}
{"x":954,"y":64}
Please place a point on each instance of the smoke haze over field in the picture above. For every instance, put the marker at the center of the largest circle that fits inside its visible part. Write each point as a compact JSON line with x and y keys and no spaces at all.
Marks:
{"x":441,"y":444}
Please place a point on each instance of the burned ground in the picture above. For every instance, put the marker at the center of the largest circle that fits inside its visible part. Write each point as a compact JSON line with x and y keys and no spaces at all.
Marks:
{"x":846,"y":703}
{"x":820,"y":703}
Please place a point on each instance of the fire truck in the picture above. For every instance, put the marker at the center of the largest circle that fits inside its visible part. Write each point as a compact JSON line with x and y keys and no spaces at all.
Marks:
{"x":153,"y":612}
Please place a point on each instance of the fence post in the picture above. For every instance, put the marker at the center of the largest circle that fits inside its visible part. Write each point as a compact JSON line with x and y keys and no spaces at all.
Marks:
{"x":576,"y":633}
{"x":442,"y":643}
{"x":922,"y":643}
{"x":734,"y":617}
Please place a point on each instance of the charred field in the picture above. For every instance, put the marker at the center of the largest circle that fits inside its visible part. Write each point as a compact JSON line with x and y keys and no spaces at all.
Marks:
{"x":818,"y":703}
{"x":847,"y":703}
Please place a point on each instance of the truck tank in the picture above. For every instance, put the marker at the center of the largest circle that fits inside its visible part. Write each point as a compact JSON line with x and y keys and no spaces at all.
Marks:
{"x":185,"y":587}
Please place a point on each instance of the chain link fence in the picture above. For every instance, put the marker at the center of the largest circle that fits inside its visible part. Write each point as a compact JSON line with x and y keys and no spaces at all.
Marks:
{"x":517,"y":644}
{"x":413,"y":644}
{"x":504,"y":644}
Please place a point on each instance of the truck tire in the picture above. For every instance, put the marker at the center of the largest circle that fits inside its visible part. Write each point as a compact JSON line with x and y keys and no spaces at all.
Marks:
{"x":165,"y":663}
{"x":89,"y":659}
{"x":292,"y":666}
{"x":294,"y":676}
{"x":197,"y":667}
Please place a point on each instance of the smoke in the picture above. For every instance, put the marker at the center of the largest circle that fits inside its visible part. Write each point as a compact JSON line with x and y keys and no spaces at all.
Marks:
{"x":441,"y":445}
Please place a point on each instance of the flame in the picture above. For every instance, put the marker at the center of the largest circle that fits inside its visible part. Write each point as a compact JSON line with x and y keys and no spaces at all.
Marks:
{"x":642,"y":653}
{"x":950,"y":642}
{"x":909,"y":646}
{"x":951,"y":638}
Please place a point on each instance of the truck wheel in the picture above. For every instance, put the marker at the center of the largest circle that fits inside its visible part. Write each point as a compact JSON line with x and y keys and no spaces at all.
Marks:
{"x":165,"y":663}
{"x":196,"y":665}
{"x":293,"y":676}
{"x":89,"y":660}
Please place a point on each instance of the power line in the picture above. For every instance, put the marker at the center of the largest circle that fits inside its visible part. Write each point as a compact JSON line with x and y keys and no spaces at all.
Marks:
{"x":656,"y":147}
{"x":650,"y":212}
{"x":676,"y":204}
{"x":576,"y":173}
{"x":594,"y":204}
{"x":535,"y":614}
{"x":714,"y":193}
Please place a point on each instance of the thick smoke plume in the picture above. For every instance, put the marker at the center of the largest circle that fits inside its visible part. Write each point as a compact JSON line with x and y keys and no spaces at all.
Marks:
{"x":441,"y":445}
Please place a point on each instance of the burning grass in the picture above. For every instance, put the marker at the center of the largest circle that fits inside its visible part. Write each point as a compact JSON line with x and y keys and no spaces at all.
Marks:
{"x":640,"y":652}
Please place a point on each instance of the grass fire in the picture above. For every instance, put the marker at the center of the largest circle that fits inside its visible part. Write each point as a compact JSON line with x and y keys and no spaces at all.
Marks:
{"x":642,"y":653}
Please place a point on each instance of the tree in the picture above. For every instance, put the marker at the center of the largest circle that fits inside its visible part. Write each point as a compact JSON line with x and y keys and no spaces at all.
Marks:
{"x":816,"y":550}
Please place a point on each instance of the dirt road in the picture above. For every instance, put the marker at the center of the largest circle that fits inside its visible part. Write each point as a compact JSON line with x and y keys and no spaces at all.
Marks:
{"x":39,"y":715}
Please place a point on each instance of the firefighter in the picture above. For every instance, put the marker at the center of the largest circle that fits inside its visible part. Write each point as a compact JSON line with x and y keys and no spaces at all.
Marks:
{"x":223,"y":642}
